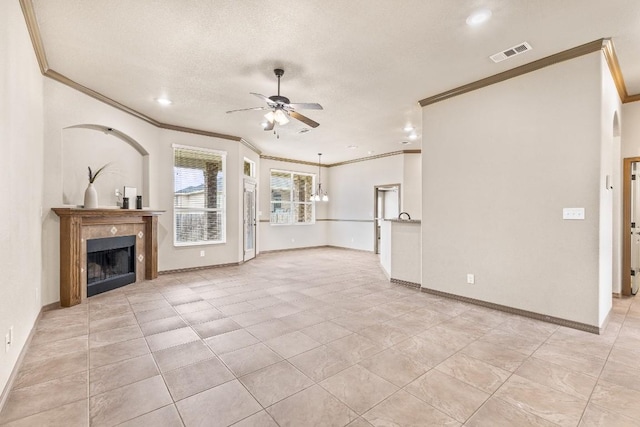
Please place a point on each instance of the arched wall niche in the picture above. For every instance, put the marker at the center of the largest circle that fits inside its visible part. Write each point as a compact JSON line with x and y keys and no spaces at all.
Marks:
{"x":92,"y":145}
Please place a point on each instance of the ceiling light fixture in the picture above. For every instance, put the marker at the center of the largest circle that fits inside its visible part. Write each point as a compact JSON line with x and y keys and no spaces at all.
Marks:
{"x":164,"y":101}
{"x":413,"y":136}
{"x":478,"y":17}
{"x":408,"y":128}
{"x":319,"y":194}
{"x":278,"y":116}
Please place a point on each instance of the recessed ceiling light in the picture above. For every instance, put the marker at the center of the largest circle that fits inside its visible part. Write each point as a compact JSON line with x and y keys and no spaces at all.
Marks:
{"x":479,"y":17}
{"x":263,"y":124}
{"x":164,"y":101}
{"x":352,"y":147}
{"x":408,"y":128}
{"x":413,"y":137}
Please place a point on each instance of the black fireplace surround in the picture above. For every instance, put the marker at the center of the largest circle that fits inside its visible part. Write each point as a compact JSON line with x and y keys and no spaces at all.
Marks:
{"x":110,"y":263}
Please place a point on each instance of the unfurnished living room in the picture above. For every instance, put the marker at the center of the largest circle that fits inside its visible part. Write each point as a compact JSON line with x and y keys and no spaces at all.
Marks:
{"x":320,"y":213}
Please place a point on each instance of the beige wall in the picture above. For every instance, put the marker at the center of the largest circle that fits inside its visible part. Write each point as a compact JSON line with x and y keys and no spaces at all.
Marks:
{"x":631,"y":130}
{"x":351,"y":207}
{"x":278,"y":237}
{"x":80,"y":109}
{"x":499,"y":164}
{"x":610,"y":207}
{"x":21,"y":181}
{"x":83,"y":147}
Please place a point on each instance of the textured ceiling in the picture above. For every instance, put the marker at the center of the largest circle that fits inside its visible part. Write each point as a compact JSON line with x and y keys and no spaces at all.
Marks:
{"x":368,"y":62}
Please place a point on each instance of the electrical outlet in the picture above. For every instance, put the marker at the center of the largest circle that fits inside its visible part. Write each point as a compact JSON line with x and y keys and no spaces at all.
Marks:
{"x":471,"y":279}
{"x":201,"y":253}
{"x":573,"y":213}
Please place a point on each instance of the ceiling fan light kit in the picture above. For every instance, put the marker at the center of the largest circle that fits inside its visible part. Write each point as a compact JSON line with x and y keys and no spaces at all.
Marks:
{"x":281,"y":109}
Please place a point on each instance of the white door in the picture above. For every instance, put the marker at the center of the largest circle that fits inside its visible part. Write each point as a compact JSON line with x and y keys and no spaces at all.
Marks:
{"x":249,"y":220}
{"x":386,"y":206}
{"x":635,"y":228}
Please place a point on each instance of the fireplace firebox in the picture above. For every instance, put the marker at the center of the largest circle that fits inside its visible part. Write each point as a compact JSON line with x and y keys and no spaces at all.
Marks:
{"x":110,"y":263}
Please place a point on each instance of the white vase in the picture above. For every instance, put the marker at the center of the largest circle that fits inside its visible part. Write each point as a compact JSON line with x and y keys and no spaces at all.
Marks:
{"x":90,"y":197}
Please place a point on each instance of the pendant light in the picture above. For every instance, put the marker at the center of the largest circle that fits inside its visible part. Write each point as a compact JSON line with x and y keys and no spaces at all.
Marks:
{"x":319,"y":194}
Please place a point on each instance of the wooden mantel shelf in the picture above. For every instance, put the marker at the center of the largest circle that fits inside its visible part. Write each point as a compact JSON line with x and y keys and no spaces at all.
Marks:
{"x":110,"y":212}
{"x":77,"y":225}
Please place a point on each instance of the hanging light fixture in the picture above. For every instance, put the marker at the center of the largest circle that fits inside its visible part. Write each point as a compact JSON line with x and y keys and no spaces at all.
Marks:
{"x":319,"y":194}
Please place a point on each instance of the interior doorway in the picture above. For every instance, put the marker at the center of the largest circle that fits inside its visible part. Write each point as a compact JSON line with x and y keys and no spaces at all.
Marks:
{"x":386,"y":205}
{"x":630,"y":226}
{"x":249,"y":220}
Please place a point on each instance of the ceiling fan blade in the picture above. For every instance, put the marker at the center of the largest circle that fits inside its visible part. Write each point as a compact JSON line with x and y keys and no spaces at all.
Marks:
{"x":304,"y":119}
{"x":248,"y":109}
{"x":305,"y":106}
{"x":264,"y":98}
{"x":270,"y":125}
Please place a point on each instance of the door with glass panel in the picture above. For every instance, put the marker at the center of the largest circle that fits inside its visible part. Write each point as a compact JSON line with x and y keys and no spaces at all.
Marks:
{"x":249,"y":220}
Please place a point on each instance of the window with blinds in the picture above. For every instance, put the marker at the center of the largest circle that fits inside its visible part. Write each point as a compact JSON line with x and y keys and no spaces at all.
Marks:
{"x":290,"y":193}
{"x":198,"y":196}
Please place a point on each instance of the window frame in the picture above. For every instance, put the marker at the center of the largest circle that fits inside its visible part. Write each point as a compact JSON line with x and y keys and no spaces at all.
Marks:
{"x":291,"y":201}
{"x":252,"y":168}
{"x":222,"y":208}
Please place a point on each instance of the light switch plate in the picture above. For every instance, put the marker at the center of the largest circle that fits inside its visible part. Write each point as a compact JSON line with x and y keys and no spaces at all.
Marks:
{"x":573,"y":213}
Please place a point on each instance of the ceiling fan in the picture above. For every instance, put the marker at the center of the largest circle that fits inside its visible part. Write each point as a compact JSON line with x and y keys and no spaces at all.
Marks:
{"x":281,"y":108}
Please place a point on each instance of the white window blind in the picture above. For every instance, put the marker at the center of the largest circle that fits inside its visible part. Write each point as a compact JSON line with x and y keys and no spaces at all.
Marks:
{"x":290,"y":193}
{"x":199,"y":196}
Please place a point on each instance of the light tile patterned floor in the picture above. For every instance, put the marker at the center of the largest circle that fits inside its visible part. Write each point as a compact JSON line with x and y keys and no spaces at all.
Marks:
{"x":317,"y":338}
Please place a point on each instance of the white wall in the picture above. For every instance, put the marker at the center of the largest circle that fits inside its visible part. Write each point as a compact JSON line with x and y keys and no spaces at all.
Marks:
{"x":171,"y":257}
{"x":279,"y":237}
{"x":610,"y":262}
{"x":351,"y":208}
{"x":83,"y":147}
{"x":631,"y":130}
{"x":498,"y":166}
{"x":412,"y":185}
{"x":64,"y":108}
{"x":21,"y":182}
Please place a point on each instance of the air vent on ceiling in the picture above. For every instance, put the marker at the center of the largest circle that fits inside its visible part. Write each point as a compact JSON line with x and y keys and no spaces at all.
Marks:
{"x":512,"y":51}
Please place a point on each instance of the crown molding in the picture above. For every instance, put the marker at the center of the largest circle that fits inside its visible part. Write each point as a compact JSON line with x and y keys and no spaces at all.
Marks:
{"x":330,"y":165}
{"x":250,"y":146}
{"x":284,"y":159}
{"x":377,"y":156}
{"x":610,"y":56}
{"x":604,"y":45}
{"x":575,"y":52}
{"x":34,"y":33}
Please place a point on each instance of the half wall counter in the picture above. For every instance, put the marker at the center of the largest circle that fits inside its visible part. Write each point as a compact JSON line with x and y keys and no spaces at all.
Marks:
{"x":400,"y":251}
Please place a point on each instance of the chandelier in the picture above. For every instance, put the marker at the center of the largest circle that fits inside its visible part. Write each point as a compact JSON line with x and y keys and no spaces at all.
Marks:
{"x":319,"y":194}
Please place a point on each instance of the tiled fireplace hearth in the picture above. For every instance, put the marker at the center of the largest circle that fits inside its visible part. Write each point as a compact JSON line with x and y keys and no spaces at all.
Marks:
{"x":77,"y":226}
